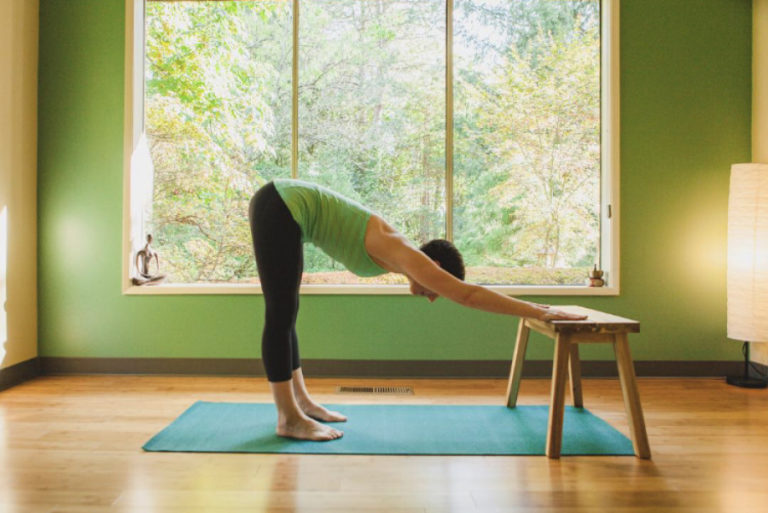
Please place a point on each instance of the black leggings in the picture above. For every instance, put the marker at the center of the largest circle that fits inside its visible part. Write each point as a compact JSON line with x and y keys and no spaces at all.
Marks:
{"x":280,"y":260}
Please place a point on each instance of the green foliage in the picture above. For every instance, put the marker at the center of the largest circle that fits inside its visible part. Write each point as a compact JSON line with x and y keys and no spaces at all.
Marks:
{"x":372,"y":127}
{"x":486,"y":275}
{"x":530,"y":142}
{"x":212,"y":113}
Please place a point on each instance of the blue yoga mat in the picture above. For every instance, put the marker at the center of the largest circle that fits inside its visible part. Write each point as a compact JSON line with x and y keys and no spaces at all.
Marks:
{"x":391,"y":429}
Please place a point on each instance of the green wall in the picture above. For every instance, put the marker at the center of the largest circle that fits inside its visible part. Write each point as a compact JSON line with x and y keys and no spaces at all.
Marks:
{"x":685,"y":117}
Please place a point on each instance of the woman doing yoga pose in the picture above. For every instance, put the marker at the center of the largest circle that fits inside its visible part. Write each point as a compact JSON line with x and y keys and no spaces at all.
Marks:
{"x":286,"y":213}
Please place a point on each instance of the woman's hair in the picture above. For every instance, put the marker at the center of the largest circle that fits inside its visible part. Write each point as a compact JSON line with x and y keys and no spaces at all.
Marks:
{"x":446,"y":254}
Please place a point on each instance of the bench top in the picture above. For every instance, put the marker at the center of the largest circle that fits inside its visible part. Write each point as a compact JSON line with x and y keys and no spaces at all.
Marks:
{"x":596,"y":322}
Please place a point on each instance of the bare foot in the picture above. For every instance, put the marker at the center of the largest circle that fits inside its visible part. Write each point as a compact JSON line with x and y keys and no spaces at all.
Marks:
{"x":320,"y":412}
{"x":305,"y":428}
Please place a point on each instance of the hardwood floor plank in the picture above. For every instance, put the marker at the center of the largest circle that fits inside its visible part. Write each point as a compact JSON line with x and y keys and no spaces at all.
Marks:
{"x":72,"y":444}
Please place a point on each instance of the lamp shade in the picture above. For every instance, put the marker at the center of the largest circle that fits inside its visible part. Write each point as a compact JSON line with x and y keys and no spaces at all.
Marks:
{"x":748,"y":253}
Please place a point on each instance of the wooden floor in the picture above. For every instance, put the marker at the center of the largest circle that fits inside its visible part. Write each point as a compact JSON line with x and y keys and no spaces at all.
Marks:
{"x":73,"y":444}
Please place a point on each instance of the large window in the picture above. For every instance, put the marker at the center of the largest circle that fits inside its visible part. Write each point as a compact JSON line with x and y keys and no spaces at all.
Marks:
{"x":487,"y":122}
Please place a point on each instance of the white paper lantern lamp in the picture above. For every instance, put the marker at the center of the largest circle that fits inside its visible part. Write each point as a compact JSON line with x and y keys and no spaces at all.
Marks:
{"x":748,"y":261}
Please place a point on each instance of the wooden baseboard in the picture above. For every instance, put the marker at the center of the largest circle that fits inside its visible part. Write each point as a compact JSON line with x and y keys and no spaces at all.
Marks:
{"x":376,"y":368}
{"x":19,"y":373}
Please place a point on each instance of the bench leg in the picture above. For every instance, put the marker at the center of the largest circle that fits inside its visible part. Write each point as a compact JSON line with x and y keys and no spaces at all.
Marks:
{"x":575,"y":373}
{"x":631,"y":397}
{"x":515,"y":373}
{"x":557,"y":401}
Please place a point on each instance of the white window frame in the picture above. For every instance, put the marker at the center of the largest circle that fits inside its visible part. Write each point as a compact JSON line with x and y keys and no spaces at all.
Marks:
{"x":135,"y":162}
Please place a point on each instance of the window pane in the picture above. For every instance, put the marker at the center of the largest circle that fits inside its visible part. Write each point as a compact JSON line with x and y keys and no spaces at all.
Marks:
{"x":372,"y":113}
{"x":372,"y":127}
{"x":527,"y":139}
{"x":218,"y":124}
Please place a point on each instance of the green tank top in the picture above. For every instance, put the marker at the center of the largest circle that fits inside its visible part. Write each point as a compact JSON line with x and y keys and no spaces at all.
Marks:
{"x":331,"y":222}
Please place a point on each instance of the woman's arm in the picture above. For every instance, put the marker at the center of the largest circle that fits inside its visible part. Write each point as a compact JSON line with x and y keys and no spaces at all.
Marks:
{"x":426,"y":272}
{"x":400,"y":256}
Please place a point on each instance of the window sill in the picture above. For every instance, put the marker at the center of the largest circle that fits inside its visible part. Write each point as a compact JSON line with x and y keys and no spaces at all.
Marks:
{"x":391,"y":290}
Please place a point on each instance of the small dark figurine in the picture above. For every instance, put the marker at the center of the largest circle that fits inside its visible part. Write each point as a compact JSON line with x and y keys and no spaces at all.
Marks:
{"x":142,"y":262}
{"x":596,"y":277}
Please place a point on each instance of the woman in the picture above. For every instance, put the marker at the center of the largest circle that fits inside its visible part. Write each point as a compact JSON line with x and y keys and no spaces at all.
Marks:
{"x":286,"y":213}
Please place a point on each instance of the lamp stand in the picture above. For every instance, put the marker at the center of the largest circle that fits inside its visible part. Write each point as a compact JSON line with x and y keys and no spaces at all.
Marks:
{"x":746,"y":381}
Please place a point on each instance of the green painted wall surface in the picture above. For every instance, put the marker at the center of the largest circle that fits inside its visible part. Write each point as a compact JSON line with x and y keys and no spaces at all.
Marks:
{"x":685,"y":117}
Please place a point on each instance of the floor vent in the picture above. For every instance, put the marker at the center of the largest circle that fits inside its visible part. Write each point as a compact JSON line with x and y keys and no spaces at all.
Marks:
{"x":375,"y":390}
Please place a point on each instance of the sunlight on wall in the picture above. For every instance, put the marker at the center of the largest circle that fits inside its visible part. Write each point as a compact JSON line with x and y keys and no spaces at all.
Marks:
{"x":3,"y":290}
{"x":702,"y":247}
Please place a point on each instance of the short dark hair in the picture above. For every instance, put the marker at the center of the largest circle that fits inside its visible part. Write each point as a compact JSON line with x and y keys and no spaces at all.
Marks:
{"x":444,"y":252}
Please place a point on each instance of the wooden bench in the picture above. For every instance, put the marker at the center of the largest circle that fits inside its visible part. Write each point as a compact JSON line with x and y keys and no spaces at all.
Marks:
{"x":599,"y":327}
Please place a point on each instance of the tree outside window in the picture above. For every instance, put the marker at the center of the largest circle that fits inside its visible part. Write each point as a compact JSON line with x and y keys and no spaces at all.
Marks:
{"x":372,"y":111}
